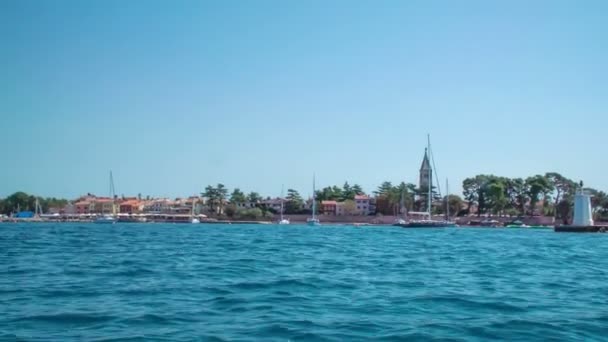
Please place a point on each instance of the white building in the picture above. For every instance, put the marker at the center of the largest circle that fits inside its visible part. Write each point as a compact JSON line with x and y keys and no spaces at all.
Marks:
{"x":363,"y":203}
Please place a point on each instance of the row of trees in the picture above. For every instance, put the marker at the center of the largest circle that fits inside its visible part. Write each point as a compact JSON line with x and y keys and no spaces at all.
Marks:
{"x":399,"y":199}
{"x":517,"y":196}
{"x":335,"y":193}
{"x":20,"y":201}
{"x":549,"y":194}
{"x":220,"y":203}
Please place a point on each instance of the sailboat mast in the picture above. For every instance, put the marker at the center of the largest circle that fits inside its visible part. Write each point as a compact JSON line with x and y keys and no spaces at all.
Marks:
{"x":430,"y":176}
{"x":282,"y":188}
{"x":314,"y":202}
{"x":112,"y":191}
{"x":447,"y":199}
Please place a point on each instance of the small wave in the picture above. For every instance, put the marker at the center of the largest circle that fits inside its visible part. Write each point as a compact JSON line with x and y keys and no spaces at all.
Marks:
{"x":282,"y":283}
{"x":67,"y":318}
{"x":460,"y":302}
{"x":275,"y":330}
{"x":133,"y":272}
{"x":148,"y":319}
{"x":66,"y":293}
{"x":124,"y":338}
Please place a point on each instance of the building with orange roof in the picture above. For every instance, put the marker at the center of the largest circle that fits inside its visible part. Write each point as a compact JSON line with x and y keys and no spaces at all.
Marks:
{"x":131,"y":206}
{"x":84,"y":207}
{"x":328,"y":207}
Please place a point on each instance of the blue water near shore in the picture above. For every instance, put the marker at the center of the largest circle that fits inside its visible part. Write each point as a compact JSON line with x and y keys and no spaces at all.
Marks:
{"x":135,"y":282}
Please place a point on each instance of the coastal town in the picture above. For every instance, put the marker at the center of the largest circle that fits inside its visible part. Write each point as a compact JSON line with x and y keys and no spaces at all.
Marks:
{"x":541,"y":200}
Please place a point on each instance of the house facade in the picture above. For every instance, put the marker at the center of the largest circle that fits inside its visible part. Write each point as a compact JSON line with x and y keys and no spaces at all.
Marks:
{"x":328,"y":207}
{"x":364,"y":205}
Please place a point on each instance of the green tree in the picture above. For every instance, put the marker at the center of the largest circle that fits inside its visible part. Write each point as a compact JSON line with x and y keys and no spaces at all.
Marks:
{"x":517,"y":195}
{"x":294,"y":203}
{"x":249,"y":214}
{"x":330,"y":193}
{"x":357,"y":189}
{"x":455,"y":203}
{"x":238,"y":196}
{"x":472,"y":191}
{"x":254,"y":198}
{"x":19,"y":201}
{"x":384,"y":189}
{"x":230,"y":210}
{"x":599,"y":202}
{"x":538,"y":187}
{"x":212,"y":197}
{"x":347,"y":192}
{"x":497,"y":201}
{"x":52,"y":202}
{"x":564,"y":189}
{"x":222,"y":196}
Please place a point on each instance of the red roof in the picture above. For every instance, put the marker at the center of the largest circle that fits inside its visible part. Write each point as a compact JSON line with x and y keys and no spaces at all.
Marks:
{"x":130,"y":202}
{"x":361,"y":197}
{"x":329,"y":202}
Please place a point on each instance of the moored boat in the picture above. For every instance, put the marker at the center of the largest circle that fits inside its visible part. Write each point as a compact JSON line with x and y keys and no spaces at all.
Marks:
{"x":110,"y":217}
{"x":283,"y":220}
{"x":427,"y":221}
{"x":313,"y":221}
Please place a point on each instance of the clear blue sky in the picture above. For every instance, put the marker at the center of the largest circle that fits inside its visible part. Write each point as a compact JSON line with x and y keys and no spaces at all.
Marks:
{"x":175,"y":95}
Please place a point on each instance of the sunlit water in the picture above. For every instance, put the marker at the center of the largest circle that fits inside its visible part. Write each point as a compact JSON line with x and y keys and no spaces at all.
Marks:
{"x":242,"y":283}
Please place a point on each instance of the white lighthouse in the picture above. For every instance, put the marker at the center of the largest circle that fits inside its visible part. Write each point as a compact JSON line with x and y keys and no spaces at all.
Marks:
{"x":582,"y":208}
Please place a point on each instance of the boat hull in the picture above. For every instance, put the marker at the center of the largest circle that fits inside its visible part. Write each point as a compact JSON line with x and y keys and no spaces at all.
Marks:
{"x":313,"y":222}
{"x":430,"y":224}
{"x":104,"y":221}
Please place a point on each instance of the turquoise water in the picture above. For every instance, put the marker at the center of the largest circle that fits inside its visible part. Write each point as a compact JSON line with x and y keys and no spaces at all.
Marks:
{"x":295,"y":283}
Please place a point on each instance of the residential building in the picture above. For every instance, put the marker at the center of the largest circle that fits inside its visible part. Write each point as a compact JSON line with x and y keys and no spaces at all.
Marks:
{"x":364,"y":206}
{"x":328,"y":207}
{"x":273,"y":204}
{"x":69,"y":209}
{"x":131,"y":206}
{"x":84,"y":207}
{"x":340,"y":209}
{"x":245,"y":205}
{"x":159,"y":205}
{"x":104,"y":205}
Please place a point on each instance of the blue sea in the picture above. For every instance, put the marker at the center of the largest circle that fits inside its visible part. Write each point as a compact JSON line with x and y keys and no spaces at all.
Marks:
{"x":155,"y":282}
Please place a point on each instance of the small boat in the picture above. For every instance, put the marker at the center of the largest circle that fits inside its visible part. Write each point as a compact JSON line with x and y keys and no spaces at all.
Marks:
{"x":427,"y":222}
{"x":313,"y":221}
{"x":400,"y":221}
{"x":105,"y":218}
{"x":490,"y":223}
{"x":283,"y":220}
{"x":516,"y":224}
{"x":108,"y":218}
{"x":194,"y":220}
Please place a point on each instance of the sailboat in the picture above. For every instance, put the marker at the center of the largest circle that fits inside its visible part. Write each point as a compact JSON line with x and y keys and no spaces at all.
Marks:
{"x":448,"y":222}
{"x":402,"y":209}
{"x":108,"y":218}
{"x":283,"y":220}
{"x":194,"y":219}
{"x":313,"y":221}
{"x":426,"y":222}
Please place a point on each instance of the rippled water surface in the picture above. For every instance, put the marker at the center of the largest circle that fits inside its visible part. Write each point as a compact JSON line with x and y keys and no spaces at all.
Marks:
{"x":241,"y":283}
